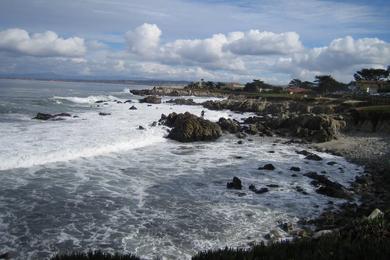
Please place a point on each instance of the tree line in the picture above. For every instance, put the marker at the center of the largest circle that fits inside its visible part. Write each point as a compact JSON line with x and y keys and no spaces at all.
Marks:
{"x":322,"y":83}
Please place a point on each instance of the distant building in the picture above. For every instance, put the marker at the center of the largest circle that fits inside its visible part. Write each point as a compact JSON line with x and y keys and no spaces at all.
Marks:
{"x":297,"y":90}
{"x":371,"y":86}
{"x":233,"y":86}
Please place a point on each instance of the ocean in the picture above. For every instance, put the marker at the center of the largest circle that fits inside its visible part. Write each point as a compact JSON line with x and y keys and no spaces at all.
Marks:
{"x":99,"y":182}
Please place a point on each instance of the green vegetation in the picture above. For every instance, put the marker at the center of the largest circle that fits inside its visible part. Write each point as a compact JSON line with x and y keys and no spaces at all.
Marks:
{"x":385,"y":108}
{"x":259,"y":85}
{"x":362,"y":239}
{"x":372,"y":74}
{"x":327,"y":84}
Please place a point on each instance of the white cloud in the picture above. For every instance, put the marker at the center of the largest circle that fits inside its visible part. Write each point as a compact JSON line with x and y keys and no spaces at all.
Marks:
{"x":46,"y":44}
{"x":220,"y":51}
{"x":342,"y":56}
{"x":144,"y":40}
{"x":255,"y":42}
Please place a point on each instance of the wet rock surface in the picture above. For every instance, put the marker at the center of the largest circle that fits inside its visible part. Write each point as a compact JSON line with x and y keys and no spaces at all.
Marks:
{"x":234,"y":184}
{"x":189,"y":128}
{"x":151,"y":100}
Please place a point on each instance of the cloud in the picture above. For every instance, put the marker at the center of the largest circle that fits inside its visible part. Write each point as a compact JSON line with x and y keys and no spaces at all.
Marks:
{"x":255,"y":42}
{"x":46,"y":44}
{"x":341,"y":56}
{"x":144,"y":40}
{"x":219,"y":51}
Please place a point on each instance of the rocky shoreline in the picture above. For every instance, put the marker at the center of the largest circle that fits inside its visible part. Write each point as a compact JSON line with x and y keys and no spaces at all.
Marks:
{"x":324,"y":125}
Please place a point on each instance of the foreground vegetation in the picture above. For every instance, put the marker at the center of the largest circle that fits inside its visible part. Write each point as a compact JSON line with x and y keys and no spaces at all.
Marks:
{"x":360,"y":239}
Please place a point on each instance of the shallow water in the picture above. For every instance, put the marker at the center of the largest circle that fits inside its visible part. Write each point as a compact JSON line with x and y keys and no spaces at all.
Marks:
{"x":97,"y":182}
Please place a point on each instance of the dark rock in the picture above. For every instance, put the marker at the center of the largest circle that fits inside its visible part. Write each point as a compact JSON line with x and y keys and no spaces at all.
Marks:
{"x":104,"y":114}
{"x":313,"y":157}
{"x":119,"y":102}
{"x":154,"y":124}
{"x":235,"y":184}
{"x":241,"y":194}
{"x":273,"y":186}
{"x":128,"y":101}
{"x":331,"y":163}
{"x":253,"y":188}
{"x":56,"y":117}
{"x":295,"y":169}
{"x":141,"y":127}
{"x":268,"y":167}
{"x":43,"y":116}
{"x":229,"y":125}
{"x":294,"y":175}
{"x":151,"y":100}
{"x":328,"y":187}
{"x":182,"y":101}
{"x":189,"y":128}
{"x":133,"y":108}
{"x":301,"y":190}
{"x":100,"y":101}
{"x":241,"y":135}
{"x":240,"y":142}
{"x":262,"y":190}
{"x":303,"y":152}
{"x":271,"y":151}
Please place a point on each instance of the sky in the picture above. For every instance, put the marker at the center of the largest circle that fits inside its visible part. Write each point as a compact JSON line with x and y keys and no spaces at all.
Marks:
{"x":218,"y":40}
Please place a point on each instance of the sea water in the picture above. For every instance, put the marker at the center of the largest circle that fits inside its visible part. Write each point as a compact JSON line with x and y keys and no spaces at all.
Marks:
{"x":99,"y":182}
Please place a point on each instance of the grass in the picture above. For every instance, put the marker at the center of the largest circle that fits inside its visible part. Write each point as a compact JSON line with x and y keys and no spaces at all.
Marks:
{"x":384,"y":108}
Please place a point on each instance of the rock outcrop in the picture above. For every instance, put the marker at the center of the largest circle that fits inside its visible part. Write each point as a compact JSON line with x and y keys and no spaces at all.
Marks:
{"x":235,"y":184}
{"x":183,"y":101}
{"x":328,"y":187}
{"x":151,"y":100}
{"x":189,"y":128}
{"x":229,"y":125}
{"x":45,"y":116}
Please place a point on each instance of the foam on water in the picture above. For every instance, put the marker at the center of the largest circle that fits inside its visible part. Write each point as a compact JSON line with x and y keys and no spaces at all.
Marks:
{"x":97,"y":182}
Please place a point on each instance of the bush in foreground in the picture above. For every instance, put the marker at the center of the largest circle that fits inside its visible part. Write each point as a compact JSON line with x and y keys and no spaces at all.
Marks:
{"x":359,"y":240}
{"x":95,"y":255}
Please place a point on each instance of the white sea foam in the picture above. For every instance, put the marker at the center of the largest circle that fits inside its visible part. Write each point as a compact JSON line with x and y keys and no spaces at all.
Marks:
{"x":86,"y":100}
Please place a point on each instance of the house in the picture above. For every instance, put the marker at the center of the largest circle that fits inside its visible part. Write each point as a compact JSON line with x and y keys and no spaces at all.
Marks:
{"x":371,"y":86}
{"x":233,"y":86}
{"x":297,"y":90}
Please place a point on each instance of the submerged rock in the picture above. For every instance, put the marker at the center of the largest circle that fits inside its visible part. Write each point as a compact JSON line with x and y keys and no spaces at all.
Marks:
{"x":104,"y":114}
{"x":45,"y":116}
{"x":253,"y":188}
{"x":313,"y":157}
{"x":235,"y":184}
{"x":151,"y":100}
{"x":189,"y":128}
{"x":328,"y":187}
{"x":268,"y":167}
{"x":295,"y":169}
